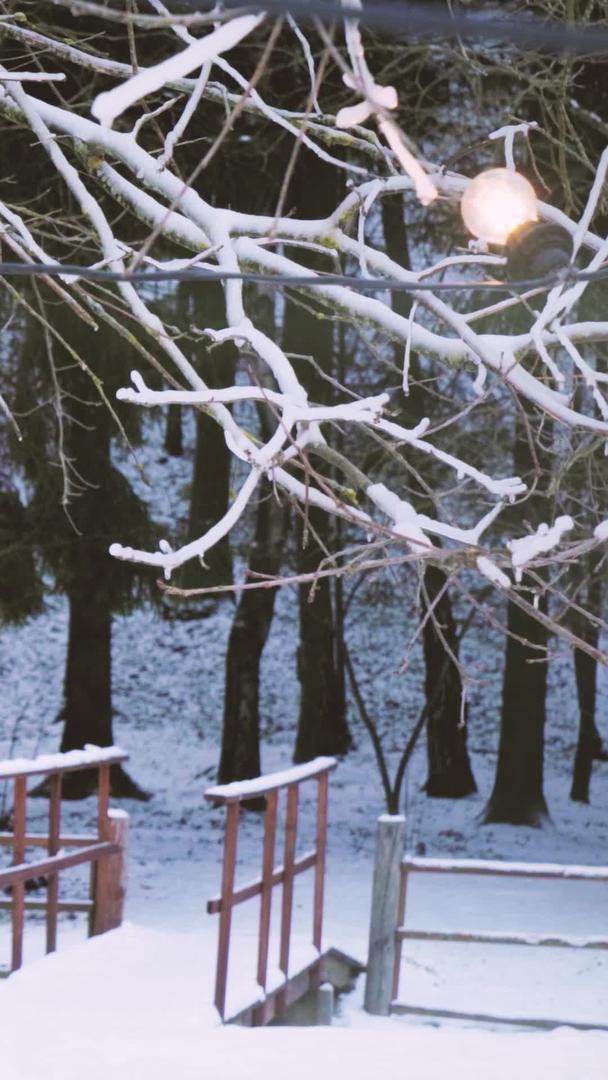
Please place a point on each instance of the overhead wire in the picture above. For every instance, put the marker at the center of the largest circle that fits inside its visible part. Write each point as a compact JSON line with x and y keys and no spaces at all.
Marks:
{"x":568,"y":276}
{"x":429,"y":20}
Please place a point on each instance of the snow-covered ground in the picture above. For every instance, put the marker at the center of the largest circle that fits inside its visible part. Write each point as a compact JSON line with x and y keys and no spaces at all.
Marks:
{"x":132,"y":1005}
{"x":137,"y":1002}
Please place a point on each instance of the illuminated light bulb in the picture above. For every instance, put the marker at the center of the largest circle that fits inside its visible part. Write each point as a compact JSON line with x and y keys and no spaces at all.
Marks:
{"x":500,"y":207}
{"x":496,"y":202}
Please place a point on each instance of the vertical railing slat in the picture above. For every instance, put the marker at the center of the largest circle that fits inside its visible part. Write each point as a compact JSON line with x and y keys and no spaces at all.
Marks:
{"x":228,"y":871}
{"x":52,"y":889}
{"x":291,"y":828}
{"x":18,"y":889}
{"x":270,"y":830}
{"x":322,"y":802}
{"x":103,"y":799}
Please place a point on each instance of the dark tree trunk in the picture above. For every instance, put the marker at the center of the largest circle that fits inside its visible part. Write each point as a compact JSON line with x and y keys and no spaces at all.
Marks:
{"x":517,"y":797}
{"x":87,"y":711}
{"x":450,"y":775}
{"x":449,"y":770}
{"x":174,"y":443}
{"x":210,"y":496}
{"x":322,"y":727}
{"x":589,"y":746}
{"x":209,"y":501}
{"x":240,"y":756}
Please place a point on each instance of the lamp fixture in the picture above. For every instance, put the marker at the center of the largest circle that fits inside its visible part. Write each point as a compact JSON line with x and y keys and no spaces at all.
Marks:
{"x":500,"y":207}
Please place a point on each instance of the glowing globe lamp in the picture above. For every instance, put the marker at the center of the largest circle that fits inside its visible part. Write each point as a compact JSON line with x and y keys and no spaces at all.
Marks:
{"x":500,"y":207}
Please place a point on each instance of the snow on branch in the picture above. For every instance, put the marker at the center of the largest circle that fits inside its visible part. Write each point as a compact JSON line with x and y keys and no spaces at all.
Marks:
{"x":112,"y":103}
{"x":525,"y":548}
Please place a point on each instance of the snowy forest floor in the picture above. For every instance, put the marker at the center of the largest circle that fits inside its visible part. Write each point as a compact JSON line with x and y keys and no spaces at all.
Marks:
{"x":136,"y":1003}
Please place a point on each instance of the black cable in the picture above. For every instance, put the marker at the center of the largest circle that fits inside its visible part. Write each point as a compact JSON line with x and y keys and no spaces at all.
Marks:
{"x":428,"y":20}
{"x":360,"y":284}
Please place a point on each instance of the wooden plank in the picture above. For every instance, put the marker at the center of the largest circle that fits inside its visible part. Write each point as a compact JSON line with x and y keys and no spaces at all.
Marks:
{"x":291,"y":828}
{"x":42,"y":839}
{"x":494,"y":937}
{"x":228,"y":871}
{"x":263,"y":785}
{"x":322,"y":806}
{"x":27,"y":871}
{"x":401,"y":1008}
{"x":18,"y":885}
{"x":270,"y":830}
{"x":52,"y":888}
{"x":483,"y":867}
{"x":254,"y":888}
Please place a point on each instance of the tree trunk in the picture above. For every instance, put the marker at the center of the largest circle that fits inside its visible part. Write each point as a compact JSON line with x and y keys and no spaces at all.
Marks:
{"x":209,"y":501}
{"x":449,"y":770}
{"x":210,"y":495}
{"x":240,"y":756}
{"x":517,"y":797}
{"x":322,"y":727}
{"x":174,"y":443}
{"x":87,"y":711}
{"x":589,"y":746}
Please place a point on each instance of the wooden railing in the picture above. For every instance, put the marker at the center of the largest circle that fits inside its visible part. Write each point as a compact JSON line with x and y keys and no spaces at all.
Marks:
{"x":104,"y":851}
{"x":546,"y":871}
{"x":232,"y":795}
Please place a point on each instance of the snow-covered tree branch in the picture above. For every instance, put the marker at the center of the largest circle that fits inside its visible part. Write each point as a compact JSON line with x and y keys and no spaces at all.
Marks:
{"x":540,"y":359}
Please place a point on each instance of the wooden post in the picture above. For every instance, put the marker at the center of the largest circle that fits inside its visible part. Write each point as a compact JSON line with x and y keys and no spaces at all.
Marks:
{"x":291,"y":825}
{"x":270,"y":829}
{"x":228,"y":871}
{"x":18,"y":889}
{"x":322,"y":797}
{"x":52,"y":886}
{"x":110,"y":875}
{"x":390,"y":840}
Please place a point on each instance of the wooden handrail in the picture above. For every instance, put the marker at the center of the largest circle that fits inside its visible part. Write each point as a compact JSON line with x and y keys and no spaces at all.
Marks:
{"x":241,"y":790}
{"x":73,"y":761}
{"x":231,"y":796}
